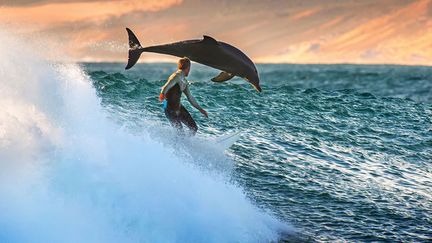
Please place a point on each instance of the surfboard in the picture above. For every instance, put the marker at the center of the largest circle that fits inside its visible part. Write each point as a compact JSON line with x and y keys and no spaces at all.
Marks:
{"x":225,"y":141}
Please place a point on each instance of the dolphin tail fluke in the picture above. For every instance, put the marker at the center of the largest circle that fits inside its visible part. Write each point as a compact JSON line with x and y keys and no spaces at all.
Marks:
{"x":135,"y":49}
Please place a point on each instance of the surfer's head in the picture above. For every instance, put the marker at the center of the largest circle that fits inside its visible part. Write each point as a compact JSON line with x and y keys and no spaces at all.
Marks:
{"x":184,"y":65}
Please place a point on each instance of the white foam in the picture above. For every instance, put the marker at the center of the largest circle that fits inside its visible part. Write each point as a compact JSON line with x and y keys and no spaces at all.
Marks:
{"x":68,"y":174}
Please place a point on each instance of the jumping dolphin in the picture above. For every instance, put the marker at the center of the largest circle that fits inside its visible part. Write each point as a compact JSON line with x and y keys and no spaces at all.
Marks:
{"x":207,"y":51}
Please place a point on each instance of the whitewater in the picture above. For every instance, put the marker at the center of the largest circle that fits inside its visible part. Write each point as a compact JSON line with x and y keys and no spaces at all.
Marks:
{"x":70,"y":174}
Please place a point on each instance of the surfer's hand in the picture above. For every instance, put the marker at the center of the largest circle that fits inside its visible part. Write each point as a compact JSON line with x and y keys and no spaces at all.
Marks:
{"x":161,"y":97}
{"x":204,"y":113}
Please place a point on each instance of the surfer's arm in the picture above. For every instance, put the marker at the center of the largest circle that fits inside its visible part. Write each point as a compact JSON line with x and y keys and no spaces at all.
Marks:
{"x":193,"y":102}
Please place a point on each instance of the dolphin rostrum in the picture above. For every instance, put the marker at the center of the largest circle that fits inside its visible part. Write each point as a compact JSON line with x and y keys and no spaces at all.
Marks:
{"x":208,"y":51}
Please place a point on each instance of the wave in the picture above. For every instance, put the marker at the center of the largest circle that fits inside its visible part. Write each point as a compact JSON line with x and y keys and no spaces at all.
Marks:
{"x":69,"y":174}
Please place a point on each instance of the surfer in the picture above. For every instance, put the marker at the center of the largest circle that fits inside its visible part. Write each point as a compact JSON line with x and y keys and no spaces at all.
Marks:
{"x":170,"y":96}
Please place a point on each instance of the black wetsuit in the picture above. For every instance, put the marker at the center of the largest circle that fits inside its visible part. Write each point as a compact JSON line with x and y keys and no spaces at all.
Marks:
{"x":175,"y":111}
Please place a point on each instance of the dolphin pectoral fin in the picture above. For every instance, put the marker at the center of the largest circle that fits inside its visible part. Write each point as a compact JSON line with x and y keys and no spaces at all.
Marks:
{"x":210,"y":40}
{"x":222,"y":77}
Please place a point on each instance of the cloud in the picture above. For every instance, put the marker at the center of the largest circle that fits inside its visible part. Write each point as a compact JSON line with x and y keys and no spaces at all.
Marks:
{"x":37,"y":2}
{"x":314,"y":47}
{"x":369,"y":54}
{"x":304,"y":14}
{"x":52,"y":12}
{"x":20,"y":2}
{"x":366,"y":31}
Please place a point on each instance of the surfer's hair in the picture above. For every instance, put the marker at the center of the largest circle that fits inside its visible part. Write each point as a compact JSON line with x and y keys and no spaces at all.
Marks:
{"x":183,"y":63}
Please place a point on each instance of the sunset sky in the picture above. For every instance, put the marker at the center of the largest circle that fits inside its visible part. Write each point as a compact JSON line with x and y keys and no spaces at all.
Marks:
{"x":293,"y":31}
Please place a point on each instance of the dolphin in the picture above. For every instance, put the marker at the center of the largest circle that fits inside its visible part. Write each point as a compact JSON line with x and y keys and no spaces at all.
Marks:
{"x":208,"y":51}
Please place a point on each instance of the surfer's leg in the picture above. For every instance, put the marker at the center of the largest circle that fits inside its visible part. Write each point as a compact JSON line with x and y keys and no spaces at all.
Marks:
{"x":173,"y":119}
{"x":187,"y":119}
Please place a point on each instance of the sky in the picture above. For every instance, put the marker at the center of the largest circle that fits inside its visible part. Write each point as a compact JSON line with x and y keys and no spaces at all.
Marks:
{"x":278,"y":31}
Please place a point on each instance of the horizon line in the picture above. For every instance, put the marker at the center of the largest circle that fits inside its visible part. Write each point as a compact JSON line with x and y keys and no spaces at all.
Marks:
{"x":270,"y":63}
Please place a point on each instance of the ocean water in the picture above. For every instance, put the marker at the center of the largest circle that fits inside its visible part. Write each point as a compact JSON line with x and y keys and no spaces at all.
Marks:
{"x":329,"y":153}
{"x":341,"y":152}
{"x":69,"y":172}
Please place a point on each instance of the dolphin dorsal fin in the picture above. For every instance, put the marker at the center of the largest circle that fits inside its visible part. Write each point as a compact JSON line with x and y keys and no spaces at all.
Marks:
{"x":209,"y":40}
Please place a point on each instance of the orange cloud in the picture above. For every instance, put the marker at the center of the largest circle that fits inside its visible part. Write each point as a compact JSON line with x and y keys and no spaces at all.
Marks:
{"x":304,"y":14}
{"x":268,"y":31}
{"x":54,"y":13}
{"x":400,"y":36}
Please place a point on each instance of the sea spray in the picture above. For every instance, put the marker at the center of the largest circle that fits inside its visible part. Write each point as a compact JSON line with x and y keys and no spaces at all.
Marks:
{"x":68,"y":174}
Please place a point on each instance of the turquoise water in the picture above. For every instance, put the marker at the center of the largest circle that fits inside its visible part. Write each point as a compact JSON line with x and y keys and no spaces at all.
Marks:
{"x":341,"y":152}
{"x":73,"y":170}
